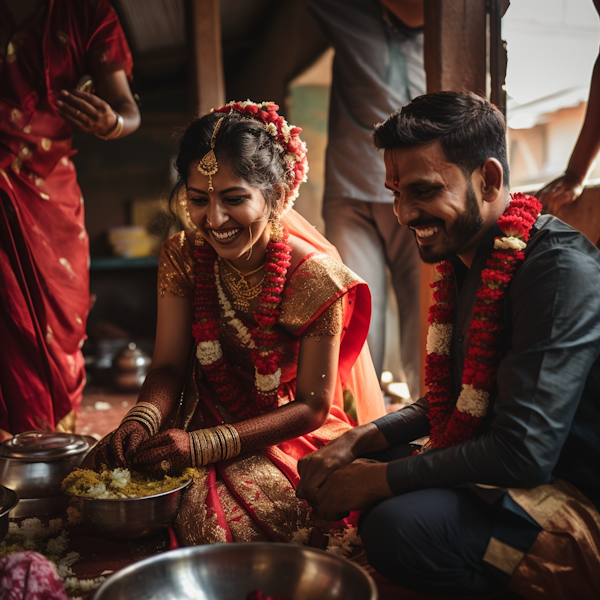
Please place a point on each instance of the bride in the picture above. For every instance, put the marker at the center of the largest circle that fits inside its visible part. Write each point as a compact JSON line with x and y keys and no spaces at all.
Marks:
{"x":275,"y":326}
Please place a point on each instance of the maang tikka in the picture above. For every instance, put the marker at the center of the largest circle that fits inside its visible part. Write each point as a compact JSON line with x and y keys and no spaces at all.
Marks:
{"x":208,"y":163}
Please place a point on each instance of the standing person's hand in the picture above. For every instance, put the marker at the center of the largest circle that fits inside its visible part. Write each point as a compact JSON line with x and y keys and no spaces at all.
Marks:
{"x":563,"y":190}
{"x":87,"y":112}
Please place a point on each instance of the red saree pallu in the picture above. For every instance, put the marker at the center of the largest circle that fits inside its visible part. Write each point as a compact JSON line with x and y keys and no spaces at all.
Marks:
{"x":44,"y":250}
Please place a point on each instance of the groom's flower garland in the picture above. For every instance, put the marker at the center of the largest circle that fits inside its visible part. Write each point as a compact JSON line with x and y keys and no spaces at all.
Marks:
{"x":266,"y":353}
{"x":452,"y":424}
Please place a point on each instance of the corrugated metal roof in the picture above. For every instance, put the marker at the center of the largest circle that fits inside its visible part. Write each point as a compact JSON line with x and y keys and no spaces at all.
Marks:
{"x":154,"y":24}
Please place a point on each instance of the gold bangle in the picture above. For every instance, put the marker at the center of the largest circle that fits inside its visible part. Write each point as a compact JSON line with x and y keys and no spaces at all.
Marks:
{"x":146,"y":413}
{"x":153,"y":409}
{"x":214,"y":444}
{"x":140,"y":419}
{"x":149,"y":418}
{"x":116,"y":131}
{"x":222,"y":447}
{"x":195,"y":449}
{"x":236,"y":449}
{"x":215,"y":455}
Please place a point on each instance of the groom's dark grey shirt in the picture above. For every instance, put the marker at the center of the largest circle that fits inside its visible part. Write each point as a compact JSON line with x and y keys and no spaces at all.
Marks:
{"x":544,"y":417}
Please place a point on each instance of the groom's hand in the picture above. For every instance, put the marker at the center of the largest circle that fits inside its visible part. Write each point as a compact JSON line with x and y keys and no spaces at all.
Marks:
{"x":355,"y":487}
{"x":316,"y":467}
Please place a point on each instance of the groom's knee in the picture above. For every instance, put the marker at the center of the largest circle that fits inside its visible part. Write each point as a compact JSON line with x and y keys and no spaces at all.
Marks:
{"x":430,"y":540}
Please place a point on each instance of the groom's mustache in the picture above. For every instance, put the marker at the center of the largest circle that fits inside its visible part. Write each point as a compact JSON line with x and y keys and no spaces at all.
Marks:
{"x":424,"y":221}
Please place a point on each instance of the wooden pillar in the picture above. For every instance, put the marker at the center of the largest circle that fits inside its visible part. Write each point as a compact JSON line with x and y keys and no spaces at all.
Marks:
{"x":207,"y":81}
{"x":455,"y":60}
{"x":456,"y":45}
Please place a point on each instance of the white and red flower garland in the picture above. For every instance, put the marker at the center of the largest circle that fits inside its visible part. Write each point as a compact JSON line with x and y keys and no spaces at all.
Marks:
{"x":286,"y":137}
{"x":452,"y":423}
{"x":266,"y":352}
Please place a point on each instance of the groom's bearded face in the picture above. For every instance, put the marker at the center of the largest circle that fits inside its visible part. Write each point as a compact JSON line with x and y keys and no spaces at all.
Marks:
{"x":453,"y":236}
{"x":434,"y":199}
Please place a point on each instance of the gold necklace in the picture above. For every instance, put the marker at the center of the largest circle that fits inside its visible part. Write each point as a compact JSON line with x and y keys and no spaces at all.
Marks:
{"x":241,"y":292}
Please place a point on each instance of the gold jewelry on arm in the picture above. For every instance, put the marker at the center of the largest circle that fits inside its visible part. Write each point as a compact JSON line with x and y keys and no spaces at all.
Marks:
{"x":116,"y":131}
{"x":214,"y":444}
{"x":147,"y":414}
{"x":208,"y":163}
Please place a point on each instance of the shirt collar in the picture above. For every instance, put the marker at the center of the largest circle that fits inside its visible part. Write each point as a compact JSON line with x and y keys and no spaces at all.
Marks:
{"x":485,"y":247}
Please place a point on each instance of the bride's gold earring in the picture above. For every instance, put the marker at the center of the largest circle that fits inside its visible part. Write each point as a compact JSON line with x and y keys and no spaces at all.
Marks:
{"x":276,"y":227}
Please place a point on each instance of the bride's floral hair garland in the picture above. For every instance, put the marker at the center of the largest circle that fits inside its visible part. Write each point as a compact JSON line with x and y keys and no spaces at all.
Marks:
{"x":286,"y":139}
{"x":452,"y":423}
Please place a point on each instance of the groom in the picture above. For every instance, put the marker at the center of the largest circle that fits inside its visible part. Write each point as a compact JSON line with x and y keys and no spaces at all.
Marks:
{"x":506,"y":491}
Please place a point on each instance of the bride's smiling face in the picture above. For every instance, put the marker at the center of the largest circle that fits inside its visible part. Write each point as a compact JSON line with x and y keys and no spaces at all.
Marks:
{"x":233,"y":218}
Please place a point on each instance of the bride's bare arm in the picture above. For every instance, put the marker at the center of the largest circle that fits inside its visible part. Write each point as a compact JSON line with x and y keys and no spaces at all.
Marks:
{"x":315,"y":388}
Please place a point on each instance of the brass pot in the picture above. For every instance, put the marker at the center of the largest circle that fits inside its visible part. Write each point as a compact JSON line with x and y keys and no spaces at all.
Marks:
{"x":130,"y":368}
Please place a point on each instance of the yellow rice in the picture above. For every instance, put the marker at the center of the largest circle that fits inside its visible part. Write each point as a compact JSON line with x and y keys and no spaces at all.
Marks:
{"x":119,"y":483}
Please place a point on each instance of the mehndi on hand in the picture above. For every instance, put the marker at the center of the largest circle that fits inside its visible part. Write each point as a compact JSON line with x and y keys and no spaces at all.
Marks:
{"x":168,"y":452}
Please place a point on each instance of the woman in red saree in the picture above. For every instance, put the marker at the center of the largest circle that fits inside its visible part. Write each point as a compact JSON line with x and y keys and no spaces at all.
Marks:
{"x":45,"y":48}
{"x":277,"y":325}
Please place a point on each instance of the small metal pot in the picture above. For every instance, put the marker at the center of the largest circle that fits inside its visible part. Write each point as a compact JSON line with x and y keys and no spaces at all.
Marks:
{"x":131,"y":518}
{"x":35,"y":463}
{"x":8,"y":500}
{"x":130,"y":368}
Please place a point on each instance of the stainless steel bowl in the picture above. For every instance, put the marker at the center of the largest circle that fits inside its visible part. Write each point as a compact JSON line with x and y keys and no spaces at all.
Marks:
{"x":35,"y":463}
{"x":131,"y":518}
{"x":232,"y":571}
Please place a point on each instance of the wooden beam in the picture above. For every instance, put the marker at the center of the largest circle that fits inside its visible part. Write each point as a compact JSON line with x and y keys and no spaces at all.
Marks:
{"x":207,"y":78}
{"x":455,"y":60}
{"x":456,"y":45}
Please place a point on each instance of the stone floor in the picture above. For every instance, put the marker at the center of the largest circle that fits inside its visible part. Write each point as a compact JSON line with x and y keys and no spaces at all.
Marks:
{"x":102,"y":410}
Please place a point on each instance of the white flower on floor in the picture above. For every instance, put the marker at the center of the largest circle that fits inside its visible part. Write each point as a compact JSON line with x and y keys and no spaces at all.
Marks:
{"x":32,"y":529}
{"x":72,"y":584}
{"x":301,"y":537}
{"x":63,"y":565}
{"x":56,"y":546}
{"x":55,"y":525}
{"x":13,"y":528}
{"x":64,"y":571}
{"x":342,"y":543}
